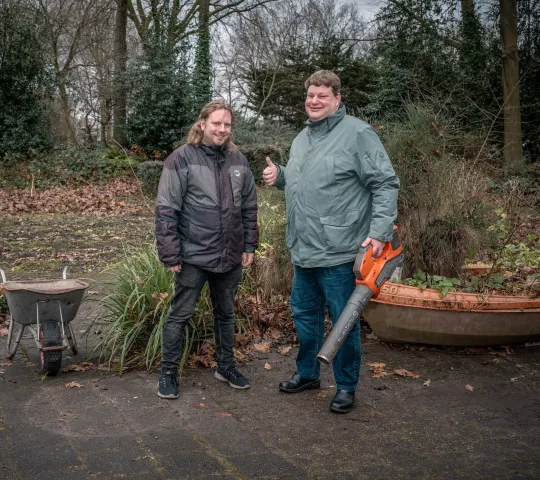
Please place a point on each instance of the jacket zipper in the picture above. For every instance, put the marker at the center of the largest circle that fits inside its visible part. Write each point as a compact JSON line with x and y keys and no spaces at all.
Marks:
{"x":220,"y":207}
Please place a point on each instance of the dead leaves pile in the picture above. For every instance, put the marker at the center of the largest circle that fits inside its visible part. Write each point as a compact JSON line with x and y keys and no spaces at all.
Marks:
{"x":89,"y":200}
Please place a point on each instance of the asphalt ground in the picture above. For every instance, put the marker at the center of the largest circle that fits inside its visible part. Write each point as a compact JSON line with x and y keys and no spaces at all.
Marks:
{"x":470,"y":414}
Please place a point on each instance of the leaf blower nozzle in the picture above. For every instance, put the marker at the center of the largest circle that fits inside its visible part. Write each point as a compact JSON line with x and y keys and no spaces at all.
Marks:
{"x":371,"y":273}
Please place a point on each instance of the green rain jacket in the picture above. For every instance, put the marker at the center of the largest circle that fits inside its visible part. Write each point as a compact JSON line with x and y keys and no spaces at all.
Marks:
{"x":340,"y":188}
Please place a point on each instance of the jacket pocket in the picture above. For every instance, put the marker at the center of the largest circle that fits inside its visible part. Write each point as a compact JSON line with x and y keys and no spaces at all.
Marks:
{"x":341,"y":231}
{"x":290,"y":234}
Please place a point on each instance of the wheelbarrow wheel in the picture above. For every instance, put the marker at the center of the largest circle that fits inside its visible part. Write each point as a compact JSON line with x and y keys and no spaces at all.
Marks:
{"x":49,"y":336}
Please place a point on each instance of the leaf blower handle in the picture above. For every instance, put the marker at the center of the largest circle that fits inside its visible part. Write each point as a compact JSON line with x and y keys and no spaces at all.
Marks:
{"x":371,"y":273}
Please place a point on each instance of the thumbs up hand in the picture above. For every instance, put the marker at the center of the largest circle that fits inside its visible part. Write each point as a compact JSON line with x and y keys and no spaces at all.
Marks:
{"x":270,"y":173}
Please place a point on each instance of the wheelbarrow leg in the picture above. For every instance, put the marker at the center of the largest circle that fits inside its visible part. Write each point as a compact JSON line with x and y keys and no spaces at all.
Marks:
{"x":12,"y":350}
{"x":71,"y":339}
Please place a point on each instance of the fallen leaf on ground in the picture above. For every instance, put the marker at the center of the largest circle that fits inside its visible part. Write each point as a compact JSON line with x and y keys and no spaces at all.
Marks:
{"x":75,"y":368}
{"x":284,"y":350}
{"x":6,"y":364}
{"x":267,"y":366}
{"x":323,"y":393}
{"x":488,"y":362}
{"x":92,"y":292}
{"x":427,"y":383}
{"x":238,"y":354}
{"x":262,"y":347}
{"x":73,"y":385}
{"x":405,"y":373}
{"x":201,"y":405}
{"x":223,"y":414}
{"x":469,"y":387}
{"x":378,"y":370}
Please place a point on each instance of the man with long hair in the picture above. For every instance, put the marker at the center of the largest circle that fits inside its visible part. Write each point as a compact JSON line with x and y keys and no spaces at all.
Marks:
{"x":341,"y":192}
{"x":206,"y":229}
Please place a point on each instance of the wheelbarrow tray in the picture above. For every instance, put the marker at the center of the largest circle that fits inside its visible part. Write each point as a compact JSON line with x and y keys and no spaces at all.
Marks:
{"x":23,"y":298}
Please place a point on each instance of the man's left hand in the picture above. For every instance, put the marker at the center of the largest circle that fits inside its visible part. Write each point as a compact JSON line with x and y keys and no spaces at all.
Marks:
{"x":376,"y":244}
{"x":247,"y":259}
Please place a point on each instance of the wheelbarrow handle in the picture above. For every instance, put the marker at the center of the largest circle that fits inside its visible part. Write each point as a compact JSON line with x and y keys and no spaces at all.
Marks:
{"x":4,"y":280}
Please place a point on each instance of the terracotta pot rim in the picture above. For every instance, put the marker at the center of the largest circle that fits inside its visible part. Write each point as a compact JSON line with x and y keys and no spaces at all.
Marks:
{"x":409,"y":296}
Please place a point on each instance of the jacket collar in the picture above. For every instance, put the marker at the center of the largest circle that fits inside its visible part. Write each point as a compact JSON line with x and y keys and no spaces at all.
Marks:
{"x":214,"y":150}
{"x":328,"y":123}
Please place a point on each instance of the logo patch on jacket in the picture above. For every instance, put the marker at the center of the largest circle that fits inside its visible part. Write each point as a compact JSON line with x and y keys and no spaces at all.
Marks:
{"x":236,"y":172}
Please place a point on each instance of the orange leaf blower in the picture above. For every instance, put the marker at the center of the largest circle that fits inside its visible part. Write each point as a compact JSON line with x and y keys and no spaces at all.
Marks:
{"x":371,"y":273}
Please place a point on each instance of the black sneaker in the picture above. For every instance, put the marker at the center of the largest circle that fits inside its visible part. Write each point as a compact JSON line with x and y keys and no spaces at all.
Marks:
{"x":168,"y":385}
{"x":230,"y":374}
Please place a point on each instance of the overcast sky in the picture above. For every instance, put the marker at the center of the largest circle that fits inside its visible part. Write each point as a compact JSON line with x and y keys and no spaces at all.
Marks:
{"x":368,"y":7}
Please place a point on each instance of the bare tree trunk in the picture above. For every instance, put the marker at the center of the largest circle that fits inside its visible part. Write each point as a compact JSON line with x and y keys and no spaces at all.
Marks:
{"x":120,"y":62}
{"x":513,"y":148}
{"x":202,"y":74}
{"x":467,"y":6}
{"x":66,"y":110}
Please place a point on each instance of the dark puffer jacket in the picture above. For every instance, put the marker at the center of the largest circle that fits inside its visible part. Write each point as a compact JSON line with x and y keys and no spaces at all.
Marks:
{"x":206,"y":208}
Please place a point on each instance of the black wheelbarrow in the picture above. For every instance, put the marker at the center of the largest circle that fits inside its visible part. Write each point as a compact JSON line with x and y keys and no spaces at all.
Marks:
{"x":47,"y":308}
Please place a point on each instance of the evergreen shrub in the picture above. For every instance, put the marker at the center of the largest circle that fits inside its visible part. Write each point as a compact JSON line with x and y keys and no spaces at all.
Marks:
{"x":149,"y":175}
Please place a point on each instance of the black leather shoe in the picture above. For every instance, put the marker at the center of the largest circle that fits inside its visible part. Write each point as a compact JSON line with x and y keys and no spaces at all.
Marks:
{"x":298,"y":384}
{"x":343,"y":401}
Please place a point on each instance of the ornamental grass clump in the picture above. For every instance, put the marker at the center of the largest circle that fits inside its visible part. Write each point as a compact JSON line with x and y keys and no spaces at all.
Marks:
{"x":135,"y":310}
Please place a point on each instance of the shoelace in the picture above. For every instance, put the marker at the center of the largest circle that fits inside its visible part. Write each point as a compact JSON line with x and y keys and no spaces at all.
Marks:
{"x":231,"y":370}
{"x":174,"y":380}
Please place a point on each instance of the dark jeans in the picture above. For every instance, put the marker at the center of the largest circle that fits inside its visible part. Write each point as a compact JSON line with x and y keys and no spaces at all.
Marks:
{"x":313,"y":289}
{"x":189,"y":283}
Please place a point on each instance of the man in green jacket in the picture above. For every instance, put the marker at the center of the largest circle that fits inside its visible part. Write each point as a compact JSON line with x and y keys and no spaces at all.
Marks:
{"x":341,"y":193}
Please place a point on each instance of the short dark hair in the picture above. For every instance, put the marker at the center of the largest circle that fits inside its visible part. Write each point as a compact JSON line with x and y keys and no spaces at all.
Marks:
{"x":324,"y":78}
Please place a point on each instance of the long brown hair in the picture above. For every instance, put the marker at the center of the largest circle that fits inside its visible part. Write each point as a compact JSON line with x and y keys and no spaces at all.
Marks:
{"x":195,"y":135}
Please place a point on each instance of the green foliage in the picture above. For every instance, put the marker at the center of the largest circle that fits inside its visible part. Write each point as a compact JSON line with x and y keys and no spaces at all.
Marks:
{"x":423,"y":280}
{"x":64,"y":166}
{"x":25,"y":78}
{"x":3,"y":303}
{"x":160,"y":113}
{"x":149,"y":175}
{"x":202,"y":74}
{"x":508,"y":253}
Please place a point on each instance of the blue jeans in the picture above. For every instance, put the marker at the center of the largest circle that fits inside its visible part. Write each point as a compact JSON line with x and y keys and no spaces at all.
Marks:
{"x":313,"y":290}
